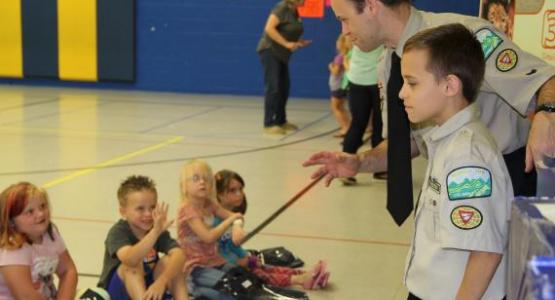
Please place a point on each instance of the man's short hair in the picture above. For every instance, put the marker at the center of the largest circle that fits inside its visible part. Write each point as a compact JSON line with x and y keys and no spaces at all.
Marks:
{"x":452,"y":49}
{"x":134,"y":183}
{"x":360,"y":4}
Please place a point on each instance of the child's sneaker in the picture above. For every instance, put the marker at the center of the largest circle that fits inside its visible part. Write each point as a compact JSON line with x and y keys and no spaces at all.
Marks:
{"x":323,"y":282}
{"x":317,"y":273}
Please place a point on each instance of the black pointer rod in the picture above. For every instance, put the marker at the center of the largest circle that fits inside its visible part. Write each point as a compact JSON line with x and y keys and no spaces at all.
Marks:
{"x":280,"y":210}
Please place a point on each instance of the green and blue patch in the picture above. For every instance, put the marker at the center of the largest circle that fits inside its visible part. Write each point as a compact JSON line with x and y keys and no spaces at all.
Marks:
{"x":469,"y":182}
{"x":489,"y":41}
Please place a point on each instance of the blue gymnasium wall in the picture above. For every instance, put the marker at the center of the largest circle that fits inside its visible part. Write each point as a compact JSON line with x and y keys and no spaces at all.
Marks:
{"x":208,"y":46}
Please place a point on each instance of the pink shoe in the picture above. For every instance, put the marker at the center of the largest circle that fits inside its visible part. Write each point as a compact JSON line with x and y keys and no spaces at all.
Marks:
{"x":317,"y":273}
{"x":323,"y":282}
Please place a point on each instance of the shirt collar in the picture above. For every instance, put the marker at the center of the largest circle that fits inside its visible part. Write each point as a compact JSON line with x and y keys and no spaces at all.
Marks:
{"x":411,"y":28}
{"x":457,"y":121}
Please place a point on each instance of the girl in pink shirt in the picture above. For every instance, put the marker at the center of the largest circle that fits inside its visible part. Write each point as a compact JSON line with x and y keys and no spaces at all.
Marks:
{"x":195,"y":232}
{"x":31,"y":248}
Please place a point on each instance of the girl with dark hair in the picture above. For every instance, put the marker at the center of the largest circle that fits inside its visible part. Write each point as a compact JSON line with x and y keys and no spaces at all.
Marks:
{"x":230,"y":194}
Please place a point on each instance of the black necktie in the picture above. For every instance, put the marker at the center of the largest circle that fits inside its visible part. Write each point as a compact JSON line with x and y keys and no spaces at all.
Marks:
{"x":399,"y":183}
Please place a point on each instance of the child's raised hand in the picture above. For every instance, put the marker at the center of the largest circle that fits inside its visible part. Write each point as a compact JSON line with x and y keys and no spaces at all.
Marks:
{"x":160,"y":217}
{"x":235,"y":216}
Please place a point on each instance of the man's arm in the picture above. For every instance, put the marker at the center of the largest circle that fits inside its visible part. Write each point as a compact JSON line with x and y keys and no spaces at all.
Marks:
{"x":547,"y":92}
{"x":375,"y":159}
{"x":541,"y":140}
{"x":341,"y":164}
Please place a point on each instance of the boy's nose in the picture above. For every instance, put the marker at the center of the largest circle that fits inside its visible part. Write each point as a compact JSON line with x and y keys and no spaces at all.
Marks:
{"x":402,"y":93}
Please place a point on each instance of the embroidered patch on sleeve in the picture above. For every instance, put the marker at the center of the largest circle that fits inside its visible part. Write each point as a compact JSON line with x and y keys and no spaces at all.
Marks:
{"x":489,"y":40}
{"x":468,"y":182}
{"x":506,"y":60}
{"x":466,"y":217}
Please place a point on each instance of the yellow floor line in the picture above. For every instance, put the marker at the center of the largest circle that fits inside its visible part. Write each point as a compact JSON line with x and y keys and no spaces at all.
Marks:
{"x":111,"y":162}
{"x":80,"y":133}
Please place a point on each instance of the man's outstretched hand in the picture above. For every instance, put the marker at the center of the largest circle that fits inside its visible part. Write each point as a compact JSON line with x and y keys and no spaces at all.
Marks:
{"x":333,"y":165}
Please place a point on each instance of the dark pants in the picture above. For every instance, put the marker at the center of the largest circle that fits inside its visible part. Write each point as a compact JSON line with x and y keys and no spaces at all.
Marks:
{"x":524,"y":184}
{"x":276,"y":88}
{"x":413,"y":297}
{"x":363,"y":100}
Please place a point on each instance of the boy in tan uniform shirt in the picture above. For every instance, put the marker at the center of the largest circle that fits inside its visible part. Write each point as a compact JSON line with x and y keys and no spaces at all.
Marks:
{"x":462,"y":214}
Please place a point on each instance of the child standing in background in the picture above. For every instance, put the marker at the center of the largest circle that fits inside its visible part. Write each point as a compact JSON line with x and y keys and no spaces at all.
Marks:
{"x":31,"y":248}
{"x":230,"y":194}
{"x":338,"y":84}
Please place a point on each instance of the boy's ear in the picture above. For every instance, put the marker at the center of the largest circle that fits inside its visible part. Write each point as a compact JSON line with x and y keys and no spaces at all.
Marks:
{"x":453,"y":85}
{"x":370,"y":5}
{"x":122,"y":212}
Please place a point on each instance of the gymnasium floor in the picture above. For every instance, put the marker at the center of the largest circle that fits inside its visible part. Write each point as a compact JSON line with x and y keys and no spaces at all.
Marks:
{"x":80,"y":144}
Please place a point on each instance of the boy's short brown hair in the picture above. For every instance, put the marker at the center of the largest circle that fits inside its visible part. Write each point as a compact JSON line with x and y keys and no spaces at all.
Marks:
{"x":135,"y":183}
{"x":452,"y":49}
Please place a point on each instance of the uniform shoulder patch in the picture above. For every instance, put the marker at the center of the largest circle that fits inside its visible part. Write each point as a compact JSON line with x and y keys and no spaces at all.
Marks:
{"x":468,"y":182}
{"x":506,"y":60}
{"x":466,"y":217}
{"x":489,"y":41}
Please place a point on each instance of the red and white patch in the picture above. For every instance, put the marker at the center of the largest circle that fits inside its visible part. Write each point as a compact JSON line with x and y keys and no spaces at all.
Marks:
{"x":466,"y":217}
{"x":506,"y":60}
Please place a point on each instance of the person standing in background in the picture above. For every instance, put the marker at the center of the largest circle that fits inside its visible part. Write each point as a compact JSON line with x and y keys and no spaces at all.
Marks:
{"x":281,"y":37}
{"x":364,"y":100}
{"x":338,"y":68}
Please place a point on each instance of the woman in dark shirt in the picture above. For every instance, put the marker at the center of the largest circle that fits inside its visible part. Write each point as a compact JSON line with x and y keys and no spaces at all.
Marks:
{"x":281,"y":37}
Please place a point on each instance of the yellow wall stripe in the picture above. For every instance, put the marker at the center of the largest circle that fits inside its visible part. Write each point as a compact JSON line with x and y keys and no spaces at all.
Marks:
{"x":111,"y":162}
{"x":11,"y":53}
{"x":77,"y":39}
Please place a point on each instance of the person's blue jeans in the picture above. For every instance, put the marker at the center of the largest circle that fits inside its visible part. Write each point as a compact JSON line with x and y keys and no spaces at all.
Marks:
{"x":204,"y":279}
{"x":276,"y":88}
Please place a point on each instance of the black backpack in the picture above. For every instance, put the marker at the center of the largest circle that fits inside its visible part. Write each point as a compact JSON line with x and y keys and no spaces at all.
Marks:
{"x":243,"y":285}
{"x":278,"y":256}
